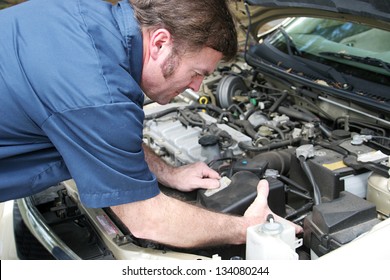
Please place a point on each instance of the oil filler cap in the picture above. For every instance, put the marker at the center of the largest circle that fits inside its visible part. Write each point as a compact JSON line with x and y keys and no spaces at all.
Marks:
{"x":208,"y":140}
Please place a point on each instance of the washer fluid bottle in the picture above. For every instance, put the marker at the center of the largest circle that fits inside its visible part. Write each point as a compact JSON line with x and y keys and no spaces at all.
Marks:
{"x":272,"y":241}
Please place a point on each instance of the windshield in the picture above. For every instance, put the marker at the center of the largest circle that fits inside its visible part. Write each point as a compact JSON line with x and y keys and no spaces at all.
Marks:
{"x":348,"y":47}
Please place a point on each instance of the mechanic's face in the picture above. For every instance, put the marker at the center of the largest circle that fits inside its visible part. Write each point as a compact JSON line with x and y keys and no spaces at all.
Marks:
{"x":166,"y":74}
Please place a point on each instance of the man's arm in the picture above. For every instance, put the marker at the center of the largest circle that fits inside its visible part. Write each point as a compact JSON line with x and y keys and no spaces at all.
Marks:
{"x":169,"y":221}
{"x":184,"y":178}
{"x":172,"y":222}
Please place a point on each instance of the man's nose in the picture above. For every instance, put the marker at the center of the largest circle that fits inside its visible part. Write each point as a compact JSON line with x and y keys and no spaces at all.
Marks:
{"x":196,"y":82}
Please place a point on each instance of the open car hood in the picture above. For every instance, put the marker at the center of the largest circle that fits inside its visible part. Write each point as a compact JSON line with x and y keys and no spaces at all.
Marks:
{"x":375,"y":9}
{"x":373,"y":12}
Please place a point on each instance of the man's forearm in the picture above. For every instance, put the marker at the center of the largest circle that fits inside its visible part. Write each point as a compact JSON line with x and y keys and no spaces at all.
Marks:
{"x":159,"y":167}
{"x":172,"y":222}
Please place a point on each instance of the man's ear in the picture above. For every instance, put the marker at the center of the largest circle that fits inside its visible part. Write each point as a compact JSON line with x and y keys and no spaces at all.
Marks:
{"x":160,"y":43}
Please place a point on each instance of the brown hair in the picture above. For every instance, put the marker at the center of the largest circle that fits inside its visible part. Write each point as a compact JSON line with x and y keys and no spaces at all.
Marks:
{"x":193,"y":24}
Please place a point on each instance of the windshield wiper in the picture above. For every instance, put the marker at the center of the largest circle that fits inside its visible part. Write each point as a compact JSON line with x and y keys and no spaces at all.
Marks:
{"x":291,"y":47}
{"x":372,"y":61}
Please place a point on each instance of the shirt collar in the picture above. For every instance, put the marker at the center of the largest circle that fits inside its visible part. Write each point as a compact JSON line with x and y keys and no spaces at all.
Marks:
{"x":131,"y":32}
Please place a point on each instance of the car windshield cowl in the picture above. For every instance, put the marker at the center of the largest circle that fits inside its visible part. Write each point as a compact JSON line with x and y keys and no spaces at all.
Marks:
{"x":365,"y":60}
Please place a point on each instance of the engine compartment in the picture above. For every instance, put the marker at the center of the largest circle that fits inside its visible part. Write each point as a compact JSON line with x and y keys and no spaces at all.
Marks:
{"x":320,"y":154}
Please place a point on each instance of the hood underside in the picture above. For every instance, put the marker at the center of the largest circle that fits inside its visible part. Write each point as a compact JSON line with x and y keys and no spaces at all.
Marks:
{"x":372,"y":12}
{"x":375,"y":9}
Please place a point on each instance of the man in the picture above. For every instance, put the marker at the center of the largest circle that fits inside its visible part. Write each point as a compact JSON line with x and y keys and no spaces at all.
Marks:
{"x":72,"y":78}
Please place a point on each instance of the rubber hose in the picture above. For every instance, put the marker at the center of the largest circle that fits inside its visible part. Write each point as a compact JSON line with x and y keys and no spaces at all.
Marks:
{"x":309,"y":174}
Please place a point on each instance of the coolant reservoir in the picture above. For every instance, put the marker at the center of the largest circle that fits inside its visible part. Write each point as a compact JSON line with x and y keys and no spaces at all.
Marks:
{"x":272,"y":241}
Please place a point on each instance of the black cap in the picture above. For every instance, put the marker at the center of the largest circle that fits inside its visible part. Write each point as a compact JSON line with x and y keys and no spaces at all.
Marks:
{"x":208,"y":140}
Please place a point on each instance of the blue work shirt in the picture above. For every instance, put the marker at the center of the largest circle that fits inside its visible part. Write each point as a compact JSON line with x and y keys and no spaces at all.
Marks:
{"x":70,"y":101}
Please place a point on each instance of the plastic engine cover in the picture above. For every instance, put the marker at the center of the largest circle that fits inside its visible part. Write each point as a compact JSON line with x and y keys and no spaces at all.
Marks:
{"x":240,"y":193}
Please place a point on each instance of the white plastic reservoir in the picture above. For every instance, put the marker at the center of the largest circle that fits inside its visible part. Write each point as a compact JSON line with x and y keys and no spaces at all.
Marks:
{"x":272,"y":241}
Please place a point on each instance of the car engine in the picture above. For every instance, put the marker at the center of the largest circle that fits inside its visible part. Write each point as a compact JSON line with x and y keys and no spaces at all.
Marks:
{"x":326,"y":160}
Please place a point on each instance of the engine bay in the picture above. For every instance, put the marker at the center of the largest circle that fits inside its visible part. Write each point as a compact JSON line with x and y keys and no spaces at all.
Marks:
{"x":327,"y":166}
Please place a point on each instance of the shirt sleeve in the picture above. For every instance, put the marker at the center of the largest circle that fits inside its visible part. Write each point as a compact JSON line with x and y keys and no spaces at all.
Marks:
{"x":102,"y":148}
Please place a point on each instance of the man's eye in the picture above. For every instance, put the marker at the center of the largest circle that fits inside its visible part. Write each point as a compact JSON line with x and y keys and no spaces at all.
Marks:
{"x":196,"y":74}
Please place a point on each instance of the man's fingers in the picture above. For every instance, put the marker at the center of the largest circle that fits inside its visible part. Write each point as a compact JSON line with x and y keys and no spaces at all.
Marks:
{"x":207,"y":172}
{"x":211,"y":183}
{"x":263,"y":188}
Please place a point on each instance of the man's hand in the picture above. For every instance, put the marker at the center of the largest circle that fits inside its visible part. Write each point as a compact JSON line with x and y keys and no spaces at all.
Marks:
{"x":194,"y":176}
{"x":184,"y":178}
{"x":259,"y":209}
